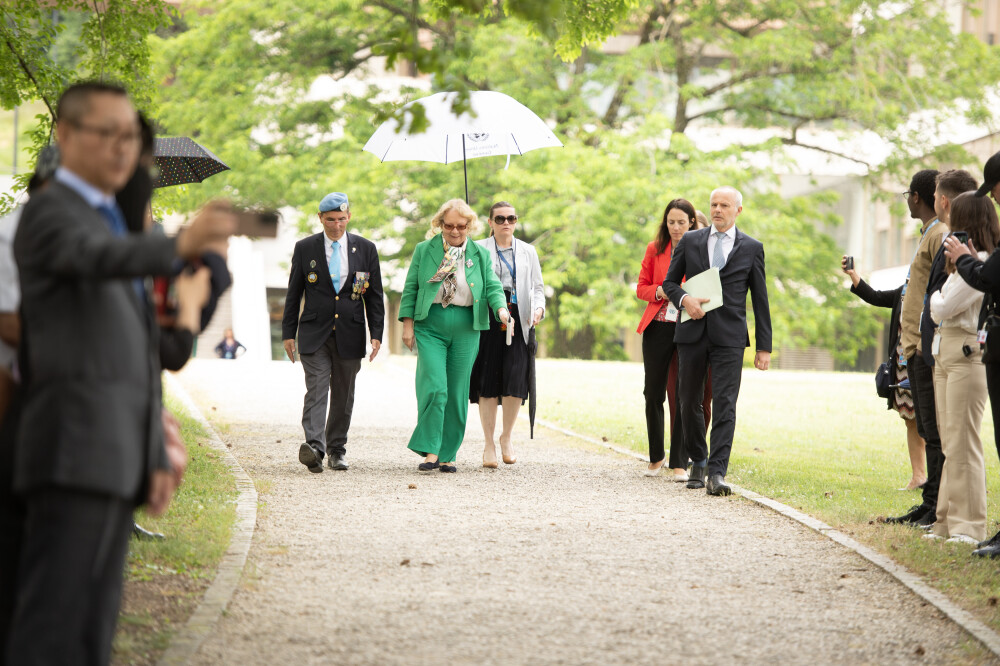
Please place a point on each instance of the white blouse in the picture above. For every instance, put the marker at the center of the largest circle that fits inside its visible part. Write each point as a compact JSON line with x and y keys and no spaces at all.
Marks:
{"x":956,"y":304}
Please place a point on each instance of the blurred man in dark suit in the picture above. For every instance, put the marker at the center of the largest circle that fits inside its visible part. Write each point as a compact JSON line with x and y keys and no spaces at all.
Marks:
{"x":90,"y":447}
{"x":340,"y":276}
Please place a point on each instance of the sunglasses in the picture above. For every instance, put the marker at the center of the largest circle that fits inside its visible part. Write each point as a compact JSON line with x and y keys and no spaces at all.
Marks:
{"x":452,"y":227}
{"x":500,"y":219}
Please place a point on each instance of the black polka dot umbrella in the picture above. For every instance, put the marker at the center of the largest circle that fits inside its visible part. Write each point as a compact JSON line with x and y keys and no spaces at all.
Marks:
{"x":180,"y":160}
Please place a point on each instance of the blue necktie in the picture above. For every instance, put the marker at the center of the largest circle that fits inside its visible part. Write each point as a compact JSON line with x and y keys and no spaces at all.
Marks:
{"x":718,"y":258}
{"x":116,"y":222}
{"x":335,"y":265}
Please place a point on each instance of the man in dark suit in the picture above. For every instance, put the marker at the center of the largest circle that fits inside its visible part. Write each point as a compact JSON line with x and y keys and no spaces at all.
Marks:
{"x":339,"y":274}
{"x":716,"y":339}
{"x":90,"y":446}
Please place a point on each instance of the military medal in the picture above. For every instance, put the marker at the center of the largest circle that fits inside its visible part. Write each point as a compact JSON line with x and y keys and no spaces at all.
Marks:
{"x":360,"y":284}
{"x":312,"y":278}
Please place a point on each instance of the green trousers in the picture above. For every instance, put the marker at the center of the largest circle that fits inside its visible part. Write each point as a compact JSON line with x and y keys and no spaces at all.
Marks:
{"x":447,"y":345}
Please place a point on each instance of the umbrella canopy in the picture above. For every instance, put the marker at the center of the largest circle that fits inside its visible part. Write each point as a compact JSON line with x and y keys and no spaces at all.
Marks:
{"x":498,"y":125}
{"x":180,"y":160}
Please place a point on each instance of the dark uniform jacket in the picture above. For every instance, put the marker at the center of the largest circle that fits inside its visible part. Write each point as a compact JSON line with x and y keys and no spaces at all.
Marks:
{"x":324,"y":309}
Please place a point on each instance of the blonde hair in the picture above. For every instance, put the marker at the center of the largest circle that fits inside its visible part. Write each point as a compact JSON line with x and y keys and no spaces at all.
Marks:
{"x":462,"y":209}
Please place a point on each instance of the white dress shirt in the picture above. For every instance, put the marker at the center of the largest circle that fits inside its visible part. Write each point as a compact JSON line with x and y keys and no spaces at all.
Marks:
{"x":463,"y":295}
{"x":10,"y":291}
{"x":956,"y":304}
{"x":328,"y":244}
{"x":727,"y":242}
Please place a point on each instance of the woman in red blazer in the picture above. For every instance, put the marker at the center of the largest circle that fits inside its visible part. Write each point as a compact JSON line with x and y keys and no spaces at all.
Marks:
{"x":659,"y":357}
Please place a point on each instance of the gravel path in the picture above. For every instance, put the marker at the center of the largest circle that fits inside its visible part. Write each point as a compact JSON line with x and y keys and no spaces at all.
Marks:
{"x":568,"y":557}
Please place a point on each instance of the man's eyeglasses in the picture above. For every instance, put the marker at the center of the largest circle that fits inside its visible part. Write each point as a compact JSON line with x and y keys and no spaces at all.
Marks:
{"x":452,"y":227}
{"x":110,"y":134}
{"x":500,"y":219}
{"x":907,"y":193}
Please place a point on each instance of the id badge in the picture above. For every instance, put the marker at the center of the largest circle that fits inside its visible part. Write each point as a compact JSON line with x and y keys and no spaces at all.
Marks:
{"x":981,"y":338}
{"x":672,"y":312}
{"x":936,"y":345}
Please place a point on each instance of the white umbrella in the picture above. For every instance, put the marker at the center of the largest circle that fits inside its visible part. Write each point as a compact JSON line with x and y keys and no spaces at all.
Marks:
{"x":499,"y":125}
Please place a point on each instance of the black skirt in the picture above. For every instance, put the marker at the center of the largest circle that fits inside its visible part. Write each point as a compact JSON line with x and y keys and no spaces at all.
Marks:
{"x":499,"y":370}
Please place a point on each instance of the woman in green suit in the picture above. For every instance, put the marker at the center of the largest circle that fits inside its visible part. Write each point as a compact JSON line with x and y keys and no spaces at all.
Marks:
{"x":450,"y":290}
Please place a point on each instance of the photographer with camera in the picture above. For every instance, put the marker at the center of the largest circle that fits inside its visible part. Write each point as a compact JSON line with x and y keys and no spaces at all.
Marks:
{"x":900,"y":399}
{"x":960,"y":380}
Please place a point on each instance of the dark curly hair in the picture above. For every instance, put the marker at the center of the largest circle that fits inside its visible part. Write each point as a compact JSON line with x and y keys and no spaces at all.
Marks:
{"x":663,"y":234}
{"x":924,"y":183}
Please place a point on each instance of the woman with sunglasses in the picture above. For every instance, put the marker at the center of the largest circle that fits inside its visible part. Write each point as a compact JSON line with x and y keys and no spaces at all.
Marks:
{"x":500,"y":374}
{"x":449,"y":292}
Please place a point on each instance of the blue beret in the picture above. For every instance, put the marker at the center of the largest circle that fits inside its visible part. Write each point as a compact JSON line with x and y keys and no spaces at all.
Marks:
{"x":334,"y":201}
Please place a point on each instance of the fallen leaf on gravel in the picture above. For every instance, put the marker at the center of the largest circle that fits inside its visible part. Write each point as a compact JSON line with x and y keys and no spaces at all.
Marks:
{"x":845,"y":575}
{"x":920,"y":650}
{"x":426,"y":564}
{"x":412,"y":486}
{"x":404,"y":563}
{"x":277,"y":441}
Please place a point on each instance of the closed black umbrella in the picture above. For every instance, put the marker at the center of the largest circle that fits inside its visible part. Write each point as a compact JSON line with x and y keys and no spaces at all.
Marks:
{"x":532,"y":394}
{"x":181,"y":160}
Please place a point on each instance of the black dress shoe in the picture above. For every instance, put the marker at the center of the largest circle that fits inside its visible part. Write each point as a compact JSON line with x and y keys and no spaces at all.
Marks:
{"x":336,"y":461}
{"x":992,"y":541}
{"x":915,"y":513}
{"x":141,"y":533}
{"x":696,"y":478}
{"x":449,"y":468}
{"x":926,"y":521}
{"x":991,"y":552}
{"x":428,"y":466}
{"x":310,"y":458}
{"x":717,"y":486}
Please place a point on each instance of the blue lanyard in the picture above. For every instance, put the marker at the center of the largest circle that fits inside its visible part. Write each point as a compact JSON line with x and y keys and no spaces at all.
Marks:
{"x":922,"y":234}
{"x":511,"y":269}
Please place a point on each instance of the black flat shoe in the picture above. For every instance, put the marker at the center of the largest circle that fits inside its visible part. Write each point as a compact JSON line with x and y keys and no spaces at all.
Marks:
{"x":428,"y":466}
{"x":449,"y":468}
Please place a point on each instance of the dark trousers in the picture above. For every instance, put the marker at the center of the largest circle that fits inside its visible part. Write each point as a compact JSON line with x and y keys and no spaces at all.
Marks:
{"x":657,"y":351}
{"x":922,"y":388}
{"x":70,"y":578}
{"x":993,"y":388}
{"x":726,"y":363}
{"x":327,"y":374}
{"x":11,"y":521}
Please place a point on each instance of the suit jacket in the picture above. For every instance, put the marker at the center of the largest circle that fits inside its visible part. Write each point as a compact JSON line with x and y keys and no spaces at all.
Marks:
{"x":530,"y":288}
{"x":725,"y":326}
{"x":418,"y":293}
{"x":90,"y":359}
{"x":325,"y":308}
{"x":651,"y":275}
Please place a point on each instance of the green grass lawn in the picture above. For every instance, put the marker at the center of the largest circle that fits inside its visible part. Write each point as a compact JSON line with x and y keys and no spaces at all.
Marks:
{"x":165,"y":579}
{"x":821,"y":442}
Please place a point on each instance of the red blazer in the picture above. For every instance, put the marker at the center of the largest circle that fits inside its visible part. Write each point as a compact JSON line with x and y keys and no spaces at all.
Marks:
{"x":651,"y":275}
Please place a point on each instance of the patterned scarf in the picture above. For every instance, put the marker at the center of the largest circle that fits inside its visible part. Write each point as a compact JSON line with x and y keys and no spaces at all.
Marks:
{"x":446,"y":272}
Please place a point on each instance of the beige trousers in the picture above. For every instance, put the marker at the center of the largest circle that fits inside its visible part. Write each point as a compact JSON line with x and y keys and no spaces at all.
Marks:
{"x":960,"y":398}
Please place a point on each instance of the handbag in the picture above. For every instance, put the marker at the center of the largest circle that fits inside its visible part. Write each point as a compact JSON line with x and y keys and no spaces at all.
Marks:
{"x":883,"y":379}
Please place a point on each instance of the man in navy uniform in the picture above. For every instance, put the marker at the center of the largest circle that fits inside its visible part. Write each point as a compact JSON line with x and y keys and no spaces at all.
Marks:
{"x":340,"y":276}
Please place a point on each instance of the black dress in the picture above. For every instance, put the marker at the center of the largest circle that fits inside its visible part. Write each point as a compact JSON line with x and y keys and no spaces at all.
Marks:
{"x":499,"y":370}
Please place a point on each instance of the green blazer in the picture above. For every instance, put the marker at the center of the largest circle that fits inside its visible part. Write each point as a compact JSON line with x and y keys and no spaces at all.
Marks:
{"x":418,"y":293}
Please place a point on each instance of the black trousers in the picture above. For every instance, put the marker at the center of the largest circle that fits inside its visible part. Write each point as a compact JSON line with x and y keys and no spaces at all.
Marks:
{"x":11,"y":521}
{"x":993,"y":387}
{"x":922,"y":388}
{"x":70,"y":577}
{"x":657,"y":350}
{"x":694,"y":360}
